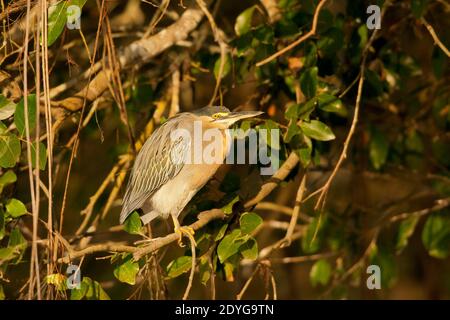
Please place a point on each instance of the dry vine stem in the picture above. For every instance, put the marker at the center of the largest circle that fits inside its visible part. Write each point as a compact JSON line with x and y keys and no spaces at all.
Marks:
{"x":307,"y":35}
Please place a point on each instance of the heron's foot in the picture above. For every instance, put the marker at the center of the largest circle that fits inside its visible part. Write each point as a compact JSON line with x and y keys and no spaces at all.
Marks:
{"x":185,"y":231}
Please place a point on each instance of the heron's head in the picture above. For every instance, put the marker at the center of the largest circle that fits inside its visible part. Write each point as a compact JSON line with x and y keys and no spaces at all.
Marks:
{"x":223,"y":116}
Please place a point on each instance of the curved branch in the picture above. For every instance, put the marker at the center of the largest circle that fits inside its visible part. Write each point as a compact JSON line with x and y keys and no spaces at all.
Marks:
{"x":138,"y":252}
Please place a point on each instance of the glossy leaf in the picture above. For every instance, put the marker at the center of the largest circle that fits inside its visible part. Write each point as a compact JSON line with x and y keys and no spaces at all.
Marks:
{"x":308,"y":82}
{"x":317,"y":130}
{"x":244,"y":21}
{"x":179,"y":266}
{"x":127,"y":270}
{"x":133,"y":223}
{"x":230,"y":245}
{"x":15,"y":208}
{"x":330,"y":103}
{"x":249,"y":221}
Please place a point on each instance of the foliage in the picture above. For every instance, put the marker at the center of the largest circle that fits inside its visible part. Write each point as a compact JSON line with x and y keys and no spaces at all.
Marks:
{"x":376,"y":106}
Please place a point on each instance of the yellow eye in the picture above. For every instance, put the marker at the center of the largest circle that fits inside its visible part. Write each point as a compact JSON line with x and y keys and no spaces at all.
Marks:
{"x":219,"y":115}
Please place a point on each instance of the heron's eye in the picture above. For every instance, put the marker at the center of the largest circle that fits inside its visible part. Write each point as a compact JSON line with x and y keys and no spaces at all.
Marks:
{"x":219,"y":115}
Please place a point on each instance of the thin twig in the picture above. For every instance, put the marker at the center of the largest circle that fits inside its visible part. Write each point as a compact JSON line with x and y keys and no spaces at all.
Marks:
{"x":191,"y":275}
{"x":307,"y":35}
{"x":435,"y":37}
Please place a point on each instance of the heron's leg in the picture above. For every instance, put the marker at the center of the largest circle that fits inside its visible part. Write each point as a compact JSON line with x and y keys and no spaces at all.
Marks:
{"x":185,"y":230}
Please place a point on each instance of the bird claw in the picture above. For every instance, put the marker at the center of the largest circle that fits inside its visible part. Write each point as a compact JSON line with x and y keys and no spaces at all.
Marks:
{"x":188,"y":232}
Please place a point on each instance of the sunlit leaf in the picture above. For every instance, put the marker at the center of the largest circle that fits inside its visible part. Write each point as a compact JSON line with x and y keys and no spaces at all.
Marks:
{"x":133,"y":223}
{"x":226,"y":67}
{"x":320,"y":273}
{"x":127,"y":270}
{"x":436,"y":235}
{"x":317,"y":130}
{"x":15,"y":208}
{"x":249,"y":221}
{"x":249,"y":249}
{"x":179,"y":266}
{"x":244,"y":21}
{"x":7,"y":108}
{"x":230,"y":245}
{"x":330,"y":103}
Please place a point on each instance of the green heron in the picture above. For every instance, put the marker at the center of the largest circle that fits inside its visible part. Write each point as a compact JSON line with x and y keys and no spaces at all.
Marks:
{"x":164,"y":178}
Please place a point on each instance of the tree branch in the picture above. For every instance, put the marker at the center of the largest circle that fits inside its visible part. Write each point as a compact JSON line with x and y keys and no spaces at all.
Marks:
{"x":138,"y":252}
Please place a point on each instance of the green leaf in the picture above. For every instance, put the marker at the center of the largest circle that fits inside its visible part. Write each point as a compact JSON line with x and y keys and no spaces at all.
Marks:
{"x":58,"y":280}
{"x":226,"y":67}
{"x":96,"y":292}
{"x":15,"y":208}
{"x":42,"y":155}
{"x":179,"y":266}
{"x":89,"y":289}
{"x":378,"y":149}
{"x":304,"y":152}
{"x":330,"y":103}
{"x":312,"y":239}
{"x":405,"y":231}
{"x":266,"y":135}
{"x":228,"y":209}
{"x":2,"y":224}
{"x":385,"y":260}
{"x":133,"y":223}
{"x":249,"y":249}
{"x":7,"y":108}
{"x":7,"y":254}
{"x":9,"y":148}
{"x":317,"y":130}
{"x":2,"y":293}
{"x":249,"y":221}
{"x":292,"y":131}
{"x":57,"y":18}
{"x":7,"y":178}
{"x":18,"y":242}
{"x":78,"y":294}
{"x":221,"y":233}
{"x":127,"y":270}
{"x":436,"y":235}
{"x":19,"y":116}
{"x":230,"y":245}
{"x":204,"y":270}
{"x":303,"y":110}
{"x":308,"y":82}
{"x":320,"y":273}
{"x":244,"y":21}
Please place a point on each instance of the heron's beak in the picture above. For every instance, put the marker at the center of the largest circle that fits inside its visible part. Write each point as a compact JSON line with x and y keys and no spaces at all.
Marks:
{"x":234,"y":117}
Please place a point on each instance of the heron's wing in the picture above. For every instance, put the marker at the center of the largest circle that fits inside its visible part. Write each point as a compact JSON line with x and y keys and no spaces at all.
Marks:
{"x":159,"y":161}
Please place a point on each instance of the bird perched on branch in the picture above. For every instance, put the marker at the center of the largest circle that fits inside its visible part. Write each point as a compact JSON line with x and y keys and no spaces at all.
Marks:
{"x":172,"y":165}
